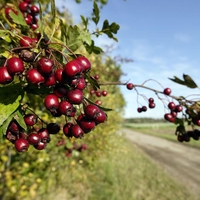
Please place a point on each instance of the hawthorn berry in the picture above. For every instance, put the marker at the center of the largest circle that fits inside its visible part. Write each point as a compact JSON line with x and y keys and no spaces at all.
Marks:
{"x":129,"y":86}
{"x":167,"y":91}
{"x":15,"y":66}
{"x":5,"y":77}
{"x":21,"y":145}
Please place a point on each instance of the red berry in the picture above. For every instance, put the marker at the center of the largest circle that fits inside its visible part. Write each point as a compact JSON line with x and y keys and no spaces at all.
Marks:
{"x":33,"y":138}
{"x":15,"y":66}
{"x":58,"y":74}
{"x":66,"y":129}
{"x":75,"y":96}
{"x":44,"y":135}
{"x":167,"y":91}
{"x":76,"y":131}
{"x":29,"y":19}
{"x":34,"y":27}
{"x":30,"y":119}
{"x":104,"y":93}
{"x":51,"y":102}
{"x":151,"y":100}
{"x":86,"y":65}
{"x":91,"y":111}
{"x":101,"y":117}
{"x":34,"y":77}
{"x":34,"y":10}
{"x":45,"y":66}
{"x":23,"y":6}
{"x":129,"y":86}
{"x":152,"y":105}
{"x":40,"y":146}
{"x":144,"y":108}
{"x":25,"y":41}
{"x":50,"y":80}
{"x":21,"y":145}
{"x":72,"y":69}
{"x":78,"y":83}
{"x":65,"y":108}
{"x":178,"y":108}
{"x":86,"y":124}
{"x":169,"y":117}
{"x":171,"y":105}
{"x":5,"y":77}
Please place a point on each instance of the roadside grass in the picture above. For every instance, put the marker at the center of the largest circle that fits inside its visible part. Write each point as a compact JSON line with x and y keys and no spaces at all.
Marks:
{"x":124,"y":173}
{"x":163,"y":130}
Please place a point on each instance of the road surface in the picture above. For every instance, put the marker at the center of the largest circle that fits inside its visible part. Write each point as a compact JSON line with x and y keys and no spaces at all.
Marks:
{"x":180,"y":161}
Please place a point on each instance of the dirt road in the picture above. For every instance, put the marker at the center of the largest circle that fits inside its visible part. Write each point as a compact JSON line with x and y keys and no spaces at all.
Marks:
{"x":180,"y":161}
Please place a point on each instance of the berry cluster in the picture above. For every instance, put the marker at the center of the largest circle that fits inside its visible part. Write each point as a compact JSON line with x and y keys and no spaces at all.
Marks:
{"x":29,"y":12}
{"x":36,"y":136}
{"x":195,"y":134}
{"x":64,"y":86}
{"x":174,"y":110}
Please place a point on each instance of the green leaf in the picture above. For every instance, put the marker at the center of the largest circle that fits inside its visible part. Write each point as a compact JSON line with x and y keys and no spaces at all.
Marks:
{"x":10,"y":99}
{"x":95,"y":13}
{"x":114,"y":27}
{"x":53,"y":11}
{"x":18,"y":18}
{"x":33,"y":89}
{"x":188,"y":81}
{"x":5,"y":35}
{"x":92,"y":81}
{"x":4,"y":126}
{"x":110,"y":29}
{"x":84,"y":21}
{"x":180,"y":129}
{"x":18,"y":116}
{"x":93,"y":49}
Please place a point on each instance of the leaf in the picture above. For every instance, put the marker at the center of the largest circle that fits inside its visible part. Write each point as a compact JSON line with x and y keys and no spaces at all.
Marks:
{"x":93,"y":49}
{"x":180,"y":129}
{"x":102,"y":108}
{"x":110,"y":29}
{"x":92,"y":81}
{"x":53,"y":11}
{"x":84,"y":21}
{"x":33,"y":89}
{"x":114,"y":27}
{"x":18,"y":18}
{"x":19,"y":118}
{"x":4,"y":126}
{"x":187,"y":81}
{"x":73,"y":40}
{"x":95,"y":13}
{"x":10,"y":99}
{"x":5,"y":35}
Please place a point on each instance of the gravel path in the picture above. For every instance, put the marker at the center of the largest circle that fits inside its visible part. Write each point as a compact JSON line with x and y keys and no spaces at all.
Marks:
{"x":180,"y":161}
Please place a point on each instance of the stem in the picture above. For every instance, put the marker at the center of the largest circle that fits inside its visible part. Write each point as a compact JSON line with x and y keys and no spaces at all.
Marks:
{"x":145,"y":87}
{"x":63,"y":46}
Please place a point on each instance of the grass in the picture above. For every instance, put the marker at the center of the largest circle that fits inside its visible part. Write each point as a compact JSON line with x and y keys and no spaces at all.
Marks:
{"x":124,"y":173}
{"x":163,"y":130}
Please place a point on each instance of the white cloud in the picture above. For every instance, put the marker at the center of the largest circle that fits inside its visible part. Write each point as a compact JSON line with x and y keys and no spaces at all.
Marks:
{"x":182,"y":37}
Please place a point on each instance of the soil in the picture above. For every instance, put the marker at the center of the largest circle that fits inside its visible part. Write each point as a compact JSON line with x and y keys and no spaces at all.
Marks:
{"x":179,"y":161}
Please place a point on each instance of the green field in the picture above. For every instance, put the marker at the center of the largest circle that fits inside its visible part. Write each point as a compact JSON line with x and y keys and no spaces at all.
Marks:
{"x":163,"y":130}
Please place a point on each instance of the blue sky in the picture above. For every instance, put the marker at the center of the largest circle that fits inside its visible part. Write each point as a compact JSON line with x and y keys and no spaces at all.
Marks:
{"x":163,"y":39}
